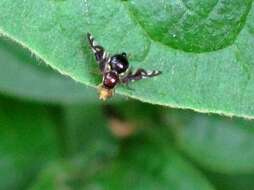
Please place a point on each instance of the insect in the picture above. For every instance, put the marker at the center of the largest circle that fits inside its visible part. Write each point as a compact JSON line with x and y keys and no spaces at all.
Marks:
{"x":115,"y":69}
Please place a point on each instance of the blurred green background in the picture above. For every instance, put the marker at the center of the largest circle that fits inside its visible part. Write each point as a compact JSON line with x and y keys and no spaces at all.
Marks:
{"x":56,"y":134}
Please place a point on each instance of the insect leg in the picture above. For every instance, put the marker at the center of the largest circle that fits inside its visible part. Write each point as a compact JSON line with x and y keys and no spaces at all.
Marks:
{"x":139,"y":74}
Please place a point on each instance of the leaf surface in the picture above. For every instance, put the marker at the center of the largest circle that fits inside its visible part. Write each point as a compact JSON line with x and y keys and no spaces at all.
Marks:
{"x":137,"y":168}
{"x":150,"y":164}
{"x":25,"y":146}
{"x":204,"y":48}
{"x":217,"y":143}
{"x":21,"y":75}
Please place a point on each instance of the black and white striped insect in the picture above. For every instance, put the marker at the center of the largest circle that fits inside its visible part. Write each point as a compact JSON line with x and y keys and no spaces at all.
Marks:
{"x":115,"y":69}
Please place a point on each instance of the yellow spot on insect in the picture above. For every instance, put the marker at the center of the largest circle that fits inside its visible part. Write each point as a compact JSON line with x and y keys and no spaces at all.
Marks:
{"x":104,"y":93}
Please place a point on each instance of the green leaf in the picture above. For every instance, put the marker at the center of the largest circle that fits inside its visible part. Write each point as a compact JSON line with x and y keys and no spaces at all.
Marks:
{"x":192,"y":25}
{"x":90,"y":146}
{"x":53,"y":177}
{"x":135,"y":165}
{"x":23,"y":77}
{"x":87,"y":132}
{"x":217,"y":143}
{"x":135,"y":168}
{"x":27,"y":142}
{"x":61,"y":175}
{"x":147,"y":164}
{"x":232,"y":182}
{"x":204,"y":48}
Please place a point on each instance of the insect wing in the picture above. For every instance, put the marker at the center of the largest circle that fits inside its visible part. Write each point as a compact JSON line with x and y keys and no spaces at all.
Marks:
{"x":102,"y":57}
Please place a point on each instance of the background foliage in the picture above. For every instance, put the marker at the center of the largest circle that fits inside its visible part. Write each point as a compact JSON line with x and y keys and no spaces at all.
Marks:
{"x":55,"y":134}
